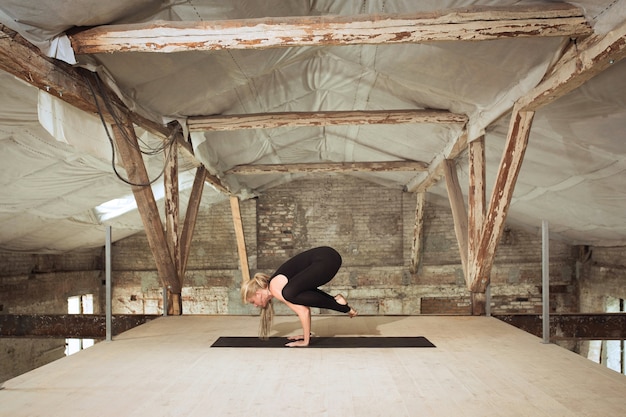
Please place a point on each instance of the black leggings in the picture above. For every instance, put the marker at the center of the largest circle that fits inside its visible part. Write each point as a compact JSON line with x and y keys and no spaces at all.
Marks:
{"x":306,"y":272}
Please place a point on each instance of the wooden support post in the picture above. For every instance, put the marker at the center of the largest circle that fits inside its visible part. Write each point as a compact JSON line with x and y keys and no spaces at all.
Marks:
{"x":126,"y":141}
{"x":459,"y":214}
{"x":476,"y":213}
{"x":172,"y":217}
{"x":508,"y":171}
{"x":416,"y":247}
{"x":191,"y":216}
{"x":241,"y":242}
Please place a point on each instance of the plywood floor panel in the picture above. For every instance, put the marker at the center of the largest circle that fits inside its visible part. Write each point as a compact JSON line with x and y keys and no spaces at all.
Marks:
{"x":480,"y":367}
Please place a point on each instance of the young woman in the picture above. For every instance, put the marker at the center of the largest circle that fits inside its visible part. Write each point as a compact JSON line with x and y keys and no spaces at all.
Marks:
{"x":296,"y":283}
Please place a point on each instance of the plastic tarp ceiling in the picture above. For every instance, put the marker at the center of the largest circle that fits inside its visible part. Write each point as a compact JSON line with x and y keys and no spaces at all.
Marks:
{"x":56,"y":161}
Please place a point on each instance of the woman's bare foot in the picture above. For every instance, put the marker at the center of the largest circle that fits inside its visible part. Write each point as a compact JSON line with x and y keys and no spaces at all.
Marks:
{"x":342,"y":300}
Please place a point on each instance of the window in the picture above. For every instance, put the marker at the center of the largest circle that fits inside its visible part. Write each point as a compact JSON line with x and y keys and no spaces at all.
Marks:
{"x":611,"y":353}
{"x":81,"y":304}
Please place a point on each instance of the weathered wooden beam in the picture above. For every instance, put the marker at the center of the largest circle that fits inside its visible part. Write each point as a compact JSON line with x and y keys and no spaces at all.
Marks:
{"x":459,"y":213}
{"x":506,"y":177}
{"x":580,"y":326}
{"x":91,"y":326}
{"x":476,"y":217}
{"x":172,"y":230}
{"x":241,"y":240}
{"x":329,"y":167}
{"x":587,"y":59}
{"x":322,"y":118}
{"x":128,"y":147}
{"x":193,"y":208}
{"x":418,"y":232}
{"x":469,"y":24}
{"x":73,"y":85}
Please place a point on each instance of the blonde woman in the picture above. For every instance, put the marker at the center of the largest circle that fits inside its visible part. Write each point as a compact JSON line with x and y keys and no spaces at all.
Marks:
{"x":296,"y":283}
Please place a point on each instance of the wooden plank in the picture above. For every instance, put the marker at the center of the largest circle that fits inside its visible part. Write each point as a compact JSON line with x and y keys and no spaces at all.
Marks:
{"x":193,"y":207}
{"x":68,"y":325}
{"x":468,"y":24}
{"x":241,"y":241}
{"x":592,"y":56}
{"x":322,"y":118}
{"x":128,"y":148}
{"x":388,"y":166}
{"x":459,"y":213}
{"x":418,"y":232}
{"x":508,"y":171}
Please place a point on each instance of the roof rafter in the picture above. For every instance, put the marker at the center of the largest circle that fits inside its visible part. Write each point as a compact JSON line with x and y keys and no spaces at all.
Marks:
{"x":469,"y":24}
{"x":322,"y":118}
{"x":329,"y":167}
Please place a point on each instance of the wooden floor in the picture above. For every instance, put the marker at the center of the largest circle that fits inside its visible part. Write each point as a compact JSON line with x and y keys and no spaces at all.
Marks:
{"x":480,"y":367}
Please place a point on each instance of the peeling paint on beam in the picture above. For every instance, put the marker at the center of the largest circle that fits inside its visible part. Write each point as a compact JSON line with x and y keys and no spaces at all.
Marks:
{"x":323,"y":118}
{"x":329,"y":167}
{"x":473,"y":24}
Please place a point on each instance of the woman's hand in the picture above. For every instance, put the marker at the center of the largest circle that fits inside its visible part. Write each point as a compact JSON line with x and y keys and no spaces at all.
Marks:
{"x":298,"y":343}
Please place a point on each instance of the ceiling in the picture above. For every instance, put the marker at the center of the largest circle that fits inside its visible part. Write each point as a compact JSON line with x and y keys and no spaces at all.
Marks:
{"x":56,"y":161}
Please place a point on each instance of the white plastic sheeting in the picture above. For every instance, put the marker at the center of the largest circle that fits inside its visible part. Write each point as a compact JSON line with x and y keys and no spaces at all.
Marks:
{"x":573,"y":173}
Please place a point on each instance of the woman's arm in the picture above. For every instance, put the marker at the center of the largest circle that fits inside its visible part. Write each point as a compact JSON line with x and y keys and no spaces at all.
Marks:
{"x":304,"y":313}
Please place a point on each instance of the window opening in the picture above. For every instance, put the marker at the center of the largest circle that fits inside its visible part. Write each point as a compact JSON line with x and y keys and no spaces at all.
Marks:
{"x":80,"y":304}
{"x":610,"y":353}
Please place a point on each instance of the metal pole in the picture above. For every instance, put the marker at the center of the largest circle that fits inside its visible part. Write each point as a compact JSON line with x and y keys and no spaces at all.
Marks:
{"x":108,"y":283}
{"x":488,"y":301}
{"x":165,"y":301}
{"x":545,"y":279}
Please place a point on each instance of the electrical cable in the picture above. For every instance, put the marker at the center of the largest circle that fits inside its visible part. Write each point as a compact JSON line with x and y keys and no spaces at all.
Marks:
{"x":165,"y":147}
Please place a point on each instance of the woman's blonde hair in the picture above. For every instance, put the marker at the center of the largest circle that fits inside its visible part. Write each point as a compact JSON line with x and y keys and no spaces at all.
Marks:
{"x":260,"y":281}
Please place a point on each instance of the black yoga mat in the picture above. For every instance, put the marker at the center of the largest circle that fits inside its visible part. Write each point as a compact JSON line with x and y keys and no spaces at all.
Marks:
{"x":327,"y":342}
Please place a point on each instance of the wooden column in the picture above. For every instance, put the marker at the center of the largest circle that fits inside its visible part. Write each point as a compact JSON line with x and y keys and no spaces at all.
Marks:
{"x":416,"y":247}
{"x":476,"y":215}
{"x":241,"y":242}
{"x":172,"y":217}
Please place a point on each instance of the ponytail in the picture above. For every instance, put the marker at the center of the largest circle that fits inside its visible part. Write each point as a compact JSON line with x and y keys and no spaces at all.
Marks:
{"x":248,"y":289}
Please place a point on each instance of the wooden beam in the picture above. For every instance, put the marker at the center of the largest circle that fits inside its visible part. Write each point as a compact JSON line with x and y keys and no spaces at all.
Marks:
{"x":193,"y":208}
{"x":468,"y":24}
{"x":508,"y":171}
{"x":68,"y":325}
{"x":172,"y":219}
{"x":587,"y":59}
{"x":241,"y":241}
{"x":73,"y":85}
{"x":329,"y":167}
{"x":459,"y":214}
{"x":476,"y":217}
{"x":128,"y":148}
{"x":418,"y":232}
{"x":574,"y":326}
{"x":322,"y":118}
